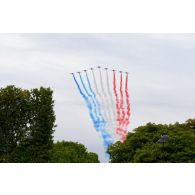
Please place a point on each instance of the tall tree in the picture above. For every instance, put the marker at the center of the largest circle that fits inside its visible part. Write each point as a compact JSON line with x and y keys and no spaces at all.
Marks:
{"x":26,"y":124}
{"x":14,"y":119}
{"x":42,"y":124}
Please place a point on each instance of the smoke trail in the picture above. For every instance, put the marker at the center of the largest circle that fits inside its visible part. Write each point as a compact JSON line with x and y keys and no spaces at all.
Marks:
{"x":102,"y":100}
{"x":105,"y":99}
{"x":113,"y":124}
{"x":123,"y":132}
{"x":128,"y":103}
{"x":86,"y":100}
{"x":106,"y":137}
{"x":96,"y":102}
{"x":95,"y":83}
{"x":100,"y":96}
{"x":110,"y":95}
{"x":117,"y":104}
{"x":93,"y":104}
{"x":119,"y":108}
{"x":122,"y":100}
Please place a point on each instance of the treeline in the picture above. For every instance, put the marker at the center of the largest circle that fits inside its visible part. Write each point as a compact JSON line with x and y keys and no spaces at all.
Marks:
{"x":27,"y":124}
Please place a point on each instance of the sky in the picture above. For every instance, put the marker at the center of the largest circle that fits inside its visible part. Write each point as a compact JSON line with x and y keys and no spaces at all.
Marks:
{"x":161,"y":82}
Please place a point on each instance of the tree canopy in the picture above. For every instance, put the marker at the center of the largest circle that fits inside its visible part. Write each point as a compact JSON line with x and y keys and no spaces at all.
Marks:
{"x":70,"y":152}
{"x":142,"y":146}
{"x":26,"y":124}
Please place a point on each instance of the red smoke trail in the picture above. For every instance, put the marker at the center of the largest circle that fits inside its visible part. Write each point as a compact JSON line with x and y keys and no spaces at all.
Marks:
{"x":122,"y":101}
{"x":119,"y":104}
{"x":117,"y":101}
{"x":128,"y":113}
{"x":123,"y":131}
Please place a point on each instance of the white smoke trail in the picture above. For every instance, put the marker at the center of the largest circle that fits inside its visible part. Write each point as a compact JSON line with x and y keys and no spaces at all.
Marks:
{"x":100,"y":97}
{"x":112,"y":107}
{"x":105,"y":99}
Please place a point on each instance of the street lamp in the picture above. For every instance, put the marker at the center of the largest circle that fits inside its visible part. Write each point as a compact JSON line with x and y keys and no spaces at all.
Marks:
{"x":164,"y":138}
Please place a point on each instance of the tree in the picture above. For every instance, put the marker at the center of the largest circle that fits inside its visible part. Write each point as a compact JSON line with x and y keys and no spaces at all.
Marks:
{"x":26,"y":124}
{"x":191,"y":123}
{"x":14,"y":117}
{"x":70,"y":152}
{"x":141,"y":145}
{"x":42,"y":124}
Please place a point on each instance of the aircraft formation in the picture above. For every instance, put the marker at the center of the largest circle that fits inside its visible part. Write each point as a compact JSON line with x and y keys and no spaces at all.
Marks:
{"x":106,"y":95}
{"x":99,"y":67}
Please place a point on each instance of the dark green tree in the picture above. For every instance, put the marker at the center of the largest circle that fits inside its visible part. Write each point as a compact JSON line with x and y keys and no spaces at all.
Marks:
{"x":26,"y":124}
{"x":14,"y":119}
{"x":70,"y":152}
{"x":141,"y":145}
{"x":41,"y":124}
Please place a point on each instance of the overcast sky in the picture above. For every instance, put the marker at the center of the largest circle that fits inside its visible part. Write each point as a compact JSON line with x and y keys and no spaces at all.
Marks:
{"x":161,"y":66}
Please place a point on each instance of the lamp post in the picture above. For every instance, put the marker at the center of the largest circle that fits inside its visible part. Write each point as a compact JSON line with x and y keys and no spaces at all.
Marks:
{"x":164,"y":138}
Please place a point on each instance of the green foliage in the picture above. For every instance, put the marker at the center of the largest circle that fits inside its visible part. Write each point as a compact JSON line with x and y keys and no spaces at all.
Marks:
{"x":26,"y":129}
{"x":42,"y":124}
{"x":191,"y":123}
{"x":141,"y":145}
{"x":70,"y":152}
{"x":26,"y":124}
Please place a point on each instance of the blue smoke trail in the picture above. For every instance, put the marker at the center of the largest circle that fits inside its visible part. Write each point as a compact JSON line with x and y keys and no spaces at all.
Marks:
{"x":106,"y":137}
{"x":85,"y":98}
{"x":102,"y":122}
{"x":93,"y":106}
